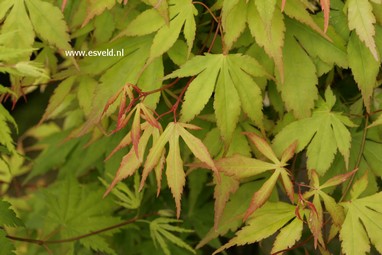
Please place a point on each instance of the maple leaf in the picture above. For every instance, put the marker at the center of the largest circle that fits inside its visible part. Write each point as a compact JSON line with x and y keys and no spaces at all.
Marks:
{"x":264,"y":21}
{"x":363,"y":222}
{"x":231,"y":77}
{"x":361,"y":19}
{"x":324,"y":128}
{"x":161,"y":228}
{"x":134,"y":158}
{"x":8,"y":216}
{"x":95,"y":7}
{"x":181,"y":14}
{"x":52,"y":27}
{"x":240,"y":168}
{"x":174,"y":164}
{"x":265,"y":222}
{"x":364,"y":67}
{"x":75,"y":210}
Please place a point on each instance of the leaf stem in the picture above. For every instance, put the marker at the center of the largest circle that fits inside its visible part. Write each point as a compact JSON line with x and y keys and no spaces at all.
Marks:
{"x":360,"y":153}
{"x":208,"y":9}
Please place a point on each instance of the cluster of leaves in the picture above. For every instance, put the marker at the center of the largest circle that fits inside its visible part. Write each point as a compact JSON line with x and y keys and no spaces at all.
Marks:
{"x":276,"y":104}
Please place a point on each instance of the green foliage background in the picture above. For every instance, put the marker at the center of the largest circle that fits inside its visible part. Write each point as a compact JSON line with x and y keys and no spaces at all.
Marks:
{"x":233,"y":126}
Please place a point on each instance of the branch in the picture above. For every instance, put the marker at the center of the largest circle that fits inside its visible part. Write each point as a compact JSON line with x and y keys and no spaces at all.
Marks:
{"x":76,"y":238}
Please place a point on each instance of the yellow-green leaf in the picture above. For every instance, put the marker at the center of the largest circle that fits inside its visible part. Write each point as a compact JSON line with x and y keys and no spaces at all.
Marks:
{"x":52,"y":27}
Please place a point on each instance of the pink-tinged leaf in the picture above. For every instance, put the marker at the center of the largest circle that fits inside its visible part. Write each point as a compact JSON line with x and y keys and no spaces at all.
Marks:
{"x":128,"y":166}
{"x":288,"y":185}
{"x":149,"y":117}
{"x":289,"y":152}
{"x":131,"y":162}
{"x":176,"y":178}
{"x":156,"y":152}
{"x":242,"y":167}
{"x":325,"y":6}
{"x":63,"y":5}
{"x":136,"y":129}
{"x":315,"y":222}
{"x":190,"y":126}
{"x":124,"y":142}
{"x":197,"y":147}
{"x":226,"y":186}
{"x":263,"y":146}
{"x":158,"y":172}
{"x":336,"y":180}
{"x":111,"y":101}
{"x":262,"y":195}
{"x":283,"y":5}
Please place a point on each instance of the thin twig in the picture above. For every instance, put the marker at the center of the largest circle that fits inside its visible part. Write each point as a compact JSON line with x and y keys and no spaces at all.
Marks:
{"x":360,"y":153}
{"x":76,"y":238}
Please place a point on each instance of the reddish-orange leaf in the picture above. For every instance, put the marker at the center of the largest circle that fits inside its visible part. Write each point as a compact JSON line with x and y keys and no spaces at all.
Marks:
{"x":315,"y":221}
{"x":226,"y":186}
{"x":262,"y":195}
{"x":63,"y":5}
{"x":136,"y":129}
{"x":131,"y":162}
{"x":338,"y":179}
{"x":325,"y":6}
{"x":149,"y":117}
{"x":111,"y":101}
{"x":283,"y":5}
{"x":128,"y":166}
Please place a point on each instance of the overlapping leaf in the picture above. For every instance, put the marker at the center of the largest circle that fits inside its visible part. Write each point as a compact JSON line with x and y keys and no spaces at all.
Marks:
{"x":160,"y":230}
{"x":231,"y":77}
{"x":324,"y":133}
{"x":265,"y":222}
{"x":174,"y":165}
{"x":363,"y":222}
{"x":74,"y":210}
{"x":361,"y":19}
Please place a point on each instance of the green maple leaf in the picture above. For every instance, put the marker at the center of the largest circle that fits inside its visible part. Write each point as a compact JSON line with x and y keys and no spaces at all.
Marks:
{"x":5,"y":131}
{"x":363,"y":222}
{"x":160,"y":230}
{"x":8,"y":216}
{"x":265,"y":222}
{"x":182,"y":14}
{"x":52,"y":27}
{"x":75,"y":210}
{"x":18,"y":24}
{"x":324,"y":133}
{"x":364,"y":67}
{"x":231,"y":77}
{"x":6,"y":247}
